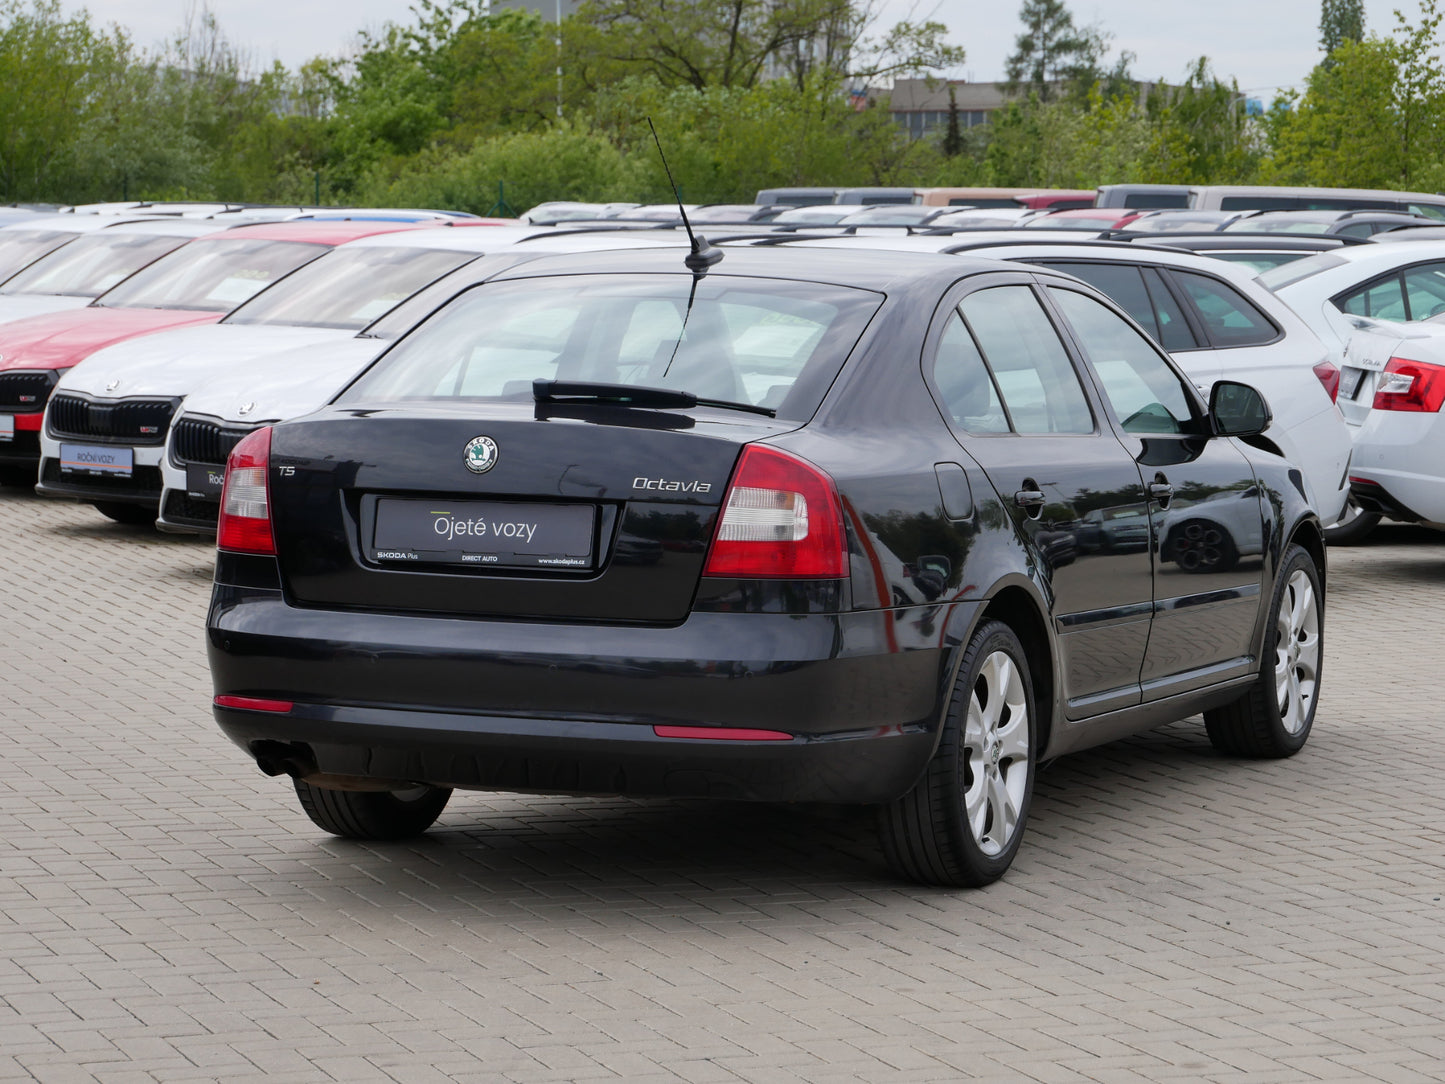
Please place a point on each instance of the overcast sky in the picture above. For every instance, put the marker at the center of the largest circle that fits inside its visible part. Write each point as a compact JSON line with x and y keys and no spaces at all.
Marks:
{"x":1264,"y":44}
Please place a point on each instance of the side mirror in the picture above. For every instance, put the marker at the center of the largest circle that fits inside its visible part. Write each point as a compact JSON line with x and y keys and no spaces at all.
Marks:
{"x":1237,"y":410}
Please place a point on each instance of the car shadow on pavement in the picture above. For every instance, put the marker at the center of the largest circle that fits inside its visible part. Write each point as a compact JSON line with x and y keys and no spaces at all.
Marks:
{"x":708,"y":862}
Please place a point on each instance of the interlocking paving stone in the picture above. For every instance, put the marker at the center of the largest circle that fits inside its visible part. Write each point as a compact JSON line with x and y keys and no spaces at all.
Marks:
{"x":168,"y":914}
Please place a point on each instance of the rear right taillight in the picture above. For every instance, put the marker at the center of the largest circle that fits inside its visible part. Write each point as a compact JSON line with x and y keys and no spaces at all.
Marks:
{"x":1410,"y":385}
{"x":245,"y":520}
{"x":1330,"y":377}
{"x":781,"y":519}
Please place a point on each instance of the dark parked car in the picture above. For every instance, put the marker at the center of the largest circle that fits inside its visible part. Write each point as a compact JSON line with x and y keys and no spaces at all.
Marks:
{"x":796,"y":525}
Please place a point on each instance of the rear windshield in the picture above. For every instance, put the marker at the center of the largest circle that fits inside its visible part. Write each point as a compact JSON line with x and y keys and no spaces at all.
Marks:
{"x":19,"y":248}
{"x":765,"y":342}
{"x":91,"y":265}
{"x":211,"y":276}
{"x":1299,"y":270}
{"x":349,"y":288}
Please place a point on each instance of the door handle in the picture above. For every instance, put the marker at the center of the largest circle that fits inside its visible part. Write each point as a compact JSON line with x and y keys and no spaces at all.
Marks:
{"x":1030,"y":500}
{"x":1160,"y":490}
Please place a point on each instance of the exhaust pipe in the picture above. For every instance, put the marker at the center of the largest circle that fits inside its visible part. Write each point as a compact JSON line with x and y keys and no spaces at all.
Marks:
{"x":284,"y":758}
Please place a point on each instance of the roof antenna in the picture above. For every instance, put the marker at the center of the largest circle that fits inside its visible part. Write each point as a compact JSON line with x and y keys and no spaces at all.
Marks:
{"x":703,"y":255}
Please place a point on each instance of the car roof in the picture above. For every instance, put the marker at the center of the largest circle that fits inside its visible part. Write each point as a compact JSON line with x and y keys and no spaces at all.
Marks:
{"x":316,"y":232}
{"x":66,"y":223}
{"x":1013,"y":245}
{"x":870,"y":270}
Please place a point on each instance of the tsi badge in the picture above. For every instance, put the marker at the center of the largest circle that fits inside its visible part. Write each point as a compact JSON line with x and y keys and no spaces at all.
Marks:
{"x":480,"y":454}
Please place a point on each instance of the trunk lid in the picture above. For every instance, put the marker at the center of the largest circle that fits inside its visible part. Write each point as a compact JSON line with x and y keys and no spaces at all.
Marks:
{"x":566,"y":512}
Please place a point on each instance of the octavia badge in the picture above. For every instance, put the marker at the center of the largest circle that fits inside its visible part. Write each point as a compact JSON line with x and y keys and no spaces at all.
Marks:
{"x":480,"y":454}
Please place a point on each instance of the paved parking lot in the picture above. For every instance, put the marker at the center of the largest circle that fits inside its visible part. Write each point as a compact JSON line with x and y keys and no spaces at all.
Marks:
{"x":168,"y":913}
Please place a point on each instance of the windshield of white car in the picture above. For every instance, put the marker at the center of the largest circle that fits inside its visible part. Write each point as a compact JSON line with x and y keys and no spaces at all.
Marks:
{"x":348,"y":288}
{"x":210,"y":276}
{"x":91,"y":265}
{"x":768,"y":343}
{"x":18,"y":248}
{"x":1298,"y":270}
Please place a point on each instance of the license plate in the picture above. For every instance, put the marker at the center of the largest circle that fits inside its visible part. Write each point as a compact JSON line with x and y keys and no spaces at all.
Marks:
{"x":487,"y":534}
{"x":7,"y":426}
{"x":96,"y":459}
{"x":203,"y":480}
{"x":1350,"y":381}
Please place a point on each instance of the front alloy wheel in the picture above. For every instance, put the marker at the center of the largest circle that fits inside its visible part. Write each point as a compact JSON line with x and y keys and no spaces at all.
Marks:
{"x":1273,"y":718}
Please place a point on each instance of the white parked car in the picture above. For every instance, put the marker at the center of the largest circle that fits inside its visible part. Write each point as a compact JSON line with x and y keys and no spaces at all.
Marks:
{"x":294,"y":379}
{"x":1359,"y":300}
{"x":75,"y":274}
{"x":1217,"y":323}
{"x":1392,"y":390}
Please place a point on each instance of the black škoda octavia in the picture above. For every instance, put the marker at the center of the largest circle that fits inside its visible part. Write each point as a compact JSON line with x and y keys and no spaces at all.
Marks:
{"x":793,"y":525}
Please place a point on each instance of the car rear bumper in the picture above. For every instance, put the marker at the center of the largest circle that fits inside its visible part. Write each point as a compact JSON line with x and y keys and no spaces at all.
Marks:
{"x":584,"y":708}
{"x":1398,"y":468}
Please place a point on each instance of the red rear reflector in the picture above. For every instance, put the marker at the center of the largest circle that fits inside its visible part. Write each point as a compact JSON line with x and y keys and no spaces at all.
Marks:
{"x":781,"y":519}
{"x":1330,"y":378}
{"x":720,"y":733}
{"x":244,"y":525}
{"x":253,"y":703}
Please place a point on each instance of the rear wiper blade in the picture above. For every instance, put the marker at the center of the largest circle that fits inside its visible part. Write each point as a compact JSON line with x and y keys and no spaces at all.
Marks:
{"x":631,"y":395}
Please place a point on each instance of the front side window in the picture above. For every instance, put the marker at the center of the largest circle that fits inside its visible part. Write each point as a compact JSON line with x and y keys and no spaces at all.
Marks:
{"x":1146,"y":394}
{"x":768,"y":343}
{"x":210,"y":276}
{"x":1230,"y":319}
{"x":1035,"y":378}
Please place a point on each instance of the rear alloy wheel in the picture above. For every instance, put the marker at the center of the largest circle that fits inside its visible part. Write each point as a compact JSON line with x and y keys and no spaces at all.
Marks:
{"x":1274,"y":717}
{"x":373,"y":814}
{"x":1354,"y":526}
{"x":137,"y":515}
{"x":961,"y":823}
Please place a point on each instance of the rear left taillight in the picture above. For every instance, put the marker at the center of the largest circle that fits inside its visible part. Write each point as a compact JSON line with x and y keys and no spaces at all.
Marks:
{"x":245,"y":521}
{"x":781,"y":519}
{"x":1330,"y":377}
{"x":1410,"y":385}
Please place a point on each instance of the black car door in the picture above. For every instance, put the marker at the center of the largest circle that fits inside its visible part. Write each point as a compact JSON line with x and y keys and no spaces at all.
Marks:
{"x":1206,"y":511}
{"x":1006,"y":382}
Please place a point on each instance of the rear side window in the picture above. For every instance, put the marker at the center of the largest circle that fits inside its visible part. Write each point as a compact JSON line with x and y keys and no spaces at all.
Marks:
{"x":964,"y":382}
{"x":1031,"y":369}
{"x":1425,"y":290}
{"x":768,"y":343}
{"x":1383,"y":299}
{"x":1230,"y":319}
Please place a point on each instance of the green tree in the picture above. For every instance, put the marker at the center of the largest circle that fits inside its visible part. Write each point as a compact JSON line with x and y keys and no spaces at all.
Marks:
{"x":1340,"y":21}
{"x":1051,"y":50}
{"x":55,"y":72}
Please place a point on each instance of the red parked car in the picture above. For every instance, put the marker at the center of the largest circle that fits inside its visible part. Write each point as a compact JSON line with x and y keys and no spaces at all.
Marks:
{"x":198,"y":283}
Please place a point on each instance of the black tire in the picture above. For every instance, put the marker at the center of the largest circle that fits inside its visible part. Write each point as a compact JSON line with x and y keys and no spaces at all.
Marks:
{"x":1265,"y":721}
{"x":927,"y":834}
{"x":1201,"y":545}
{"x":373,"y":814}
{"x":137,"y":515}
{"x":20,"y":477}
{"x":1354,"y":526}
